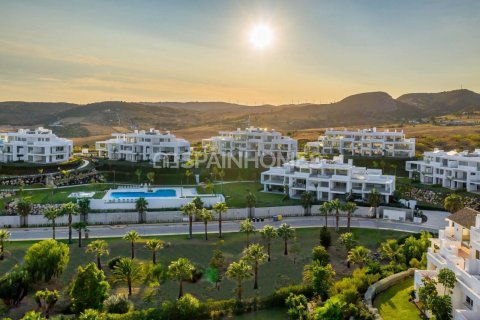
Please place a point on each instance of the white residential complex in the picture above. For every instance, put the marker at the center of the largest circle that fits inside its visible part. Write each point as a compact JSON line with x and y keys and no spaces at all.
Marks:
{"x":251,"y":143}
{"x":453,"y":170}
{"x":327,"y":179}
{"x":142,"y":145}
{"x":365,"y":142}
{"x":458,"y":249}
{"x":35,"y":146}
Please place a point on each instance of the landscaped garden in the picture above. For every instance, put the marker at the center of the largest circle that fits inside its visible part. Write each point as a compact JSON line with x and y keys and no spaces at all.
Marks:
{"x":394,"y":303}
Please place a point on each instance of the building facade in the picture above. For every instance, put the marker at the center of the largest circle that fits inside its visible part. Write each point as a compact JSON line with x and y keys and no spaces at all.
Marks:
{"x":365,"y":142}
{"x":327,"y":179}
{"x":252,"y":143}
{"x":142,"y":145}
{"x":458,"y":249}
{"x":38,"y":145}
{"x":453,"y":170}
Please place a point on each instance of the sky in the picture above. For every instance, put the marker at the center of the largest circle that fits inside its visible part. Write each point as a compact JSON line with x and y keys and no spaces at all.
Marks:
{"x":83,"y":51}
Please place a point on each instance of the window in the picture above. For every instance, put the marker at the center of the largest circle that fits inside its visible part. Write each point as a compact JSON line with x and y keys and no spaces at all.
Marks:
{"x":477,"y":255}
{"x":469,"y":302}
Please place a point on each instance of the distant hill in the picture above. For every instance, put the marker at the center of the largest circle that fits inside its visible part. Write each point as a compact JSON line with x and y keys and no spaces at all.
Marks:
{"x":443,"y":102}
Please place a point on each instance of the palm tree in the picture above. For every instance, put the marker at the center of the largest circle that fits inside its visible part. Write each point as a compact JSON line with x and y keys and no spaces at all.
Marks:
{"x":251,"y":201}
{"x":268,"y":234}
{"x":220,"y":208}
{"x":24,"y":208}
{"x":127,"y":271}
{"x":151,"y":177}
{"x":359,"y":256}
{"x":141,"y":205}
{"x":374,"y":199}
{"x":79,"y":226}
{"x":99,"y":248}
{"x":51,"y":214}
{"x":70,"y":209}
{"x":181,"y":270}
{"x":286,"y":232}
{"x":247,"y":227}
{"x":307,"y":201}
{"x":84,"y":208}
{"x":326,"y":210}
{"x":154,"y":245}
{"x":190,"y":209}
{"x":349,"y":208}
{"x":337,"y":206}
{"x":392,"y":251}
{"x":239,"y":271}
{"x":132,"y":236}
{"x":138,"y":173}
{"x":453,"y":203}
{"x":205,"y":215}
{"x":255,"y":255}
{"x":4,"y":237}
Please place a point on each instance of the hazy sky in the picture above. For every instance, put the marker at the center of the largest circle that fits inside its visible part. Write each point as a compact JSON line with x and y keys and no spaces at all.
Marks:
{"x":199,"y":50}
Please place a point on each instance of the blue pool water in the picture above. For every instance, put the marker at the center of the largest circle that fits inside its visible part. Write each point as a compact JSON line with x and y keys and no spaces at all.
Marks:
{"x":159,"y":193}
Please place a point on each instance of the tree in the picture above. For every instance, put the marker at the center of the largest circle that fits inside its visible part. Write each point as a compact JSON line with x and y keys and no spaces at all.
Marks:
{"x":453,"y":203}
{"x":24,"y":208}
{"x":251,"y":202}
{"x":4,"y":237}
{"x":188,"y":173}
{"x":268,"y":233}
{"x":88,"y":288}
{"x":99,"y":248}
{"x":331,"y":310}
{"x":306,"y":200}
{"x":286,"y":232}
{"x":189,"y":209}
{"x":336,"y":206}
{"x":151,"y":177}
{"x":181,"y":270}
{"x":154,"y":246}
{"x":321,"y":278}
{"x":205,"y":215}
{"x":447,"y":279}
{"x":187,"y":307}
{"x":83,"y":208}
{"x":359,"y":256}
{"x":198,"y":202}
{"x":374,"y":200}
{"x":46,"y":259}
{"x":326,"y":209}
{"x":239,"y":271}
{"x":348,"y":241}
{"x":79,"y":227}
{"x":51,"y":214}
{"x":141,"y":205}
{"x":325,"y":237}
{"x":14,"y":286}
{"x":247,"y":227}
{"x":139,"y":174}
{"x":220,"y":208}
{"x":441,"y":307}
{"x":45,"y":300}
{"x":320,"y":255}
{"x":69,"y":209}
{"x":132,"y":236}
{"x":392,"y":251}
{"x":349,"y":208}
{"x":127,"y":271}
{"x":255,"y":255}
{"x":297,"y":307}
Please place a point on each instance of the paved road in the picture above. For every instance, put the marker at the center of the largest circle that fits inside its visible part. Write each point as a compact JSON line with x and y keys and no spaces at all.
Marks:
{"x":228,"y":226}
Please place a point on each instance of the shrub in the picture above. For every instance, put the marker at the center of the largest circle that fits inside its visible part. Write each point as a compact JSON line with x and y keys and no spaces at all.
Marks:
{"x":325,"y":237}
{"x":89,"y":288}
{"x":46,"y":259}
{"x":320,"y":254}
{"x":117,"y":303}
{"x":277,"y":299}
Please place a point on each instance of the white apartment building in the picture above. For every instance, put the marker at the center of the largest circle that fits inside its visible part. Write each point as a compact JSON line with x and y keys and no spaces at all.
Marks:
{"x":38,"y":145}
{"x":453,"y":170}
{"x":327,"y":179}
{"x":365,"y":142}
{"x":252,"y":143}
{"x":458,"y":249}
{"x":142,"y":145}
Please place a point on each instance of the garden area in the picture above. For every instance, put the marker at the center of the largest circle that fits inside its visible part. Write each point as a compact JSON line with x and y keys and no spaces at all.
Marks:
{"x":394,"y":302}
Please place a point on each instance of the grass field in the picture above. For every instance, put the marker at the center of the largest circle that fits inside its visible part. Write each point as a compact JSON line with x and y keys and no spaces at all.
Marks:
{"x":279,"y":272}
{"x":393,"y":303}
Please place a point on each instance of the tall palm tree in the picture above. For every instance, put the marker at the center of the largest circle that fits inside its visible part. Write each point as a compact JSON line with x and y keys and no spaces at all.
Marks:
{"x":239,"y":271}
{"x":306,"y":200}
{"x":141,"y":205}
{"x":326,"y":210}
{"x":83,"y":208}
{"x":132,"y":236}
{"x":24,"y":208}
{"x":154,"y":245}
{"x":286,"y":232}
{"x":220,"y":208}
{"x":374,"y":199}
{"x":79,"y":227}
{"x":336,"y":205}
{"x":251,"y":202}
{"x":359,"y":256}
{"x":70,"y":209}
{"x":51,"y":214}
{"x":453,"y":203}
{"x":4,"y":237}
{"x":349,"y":208}
{"x":190,"y":209}
{"x":181,"y":270}
{"x":127,"y":271}
{"x":268,"y":234}
{"x":205,"y":215}
{"x":255,"y":255}
{"x":99,"y":248}
{"x":392,"y":251}
{"x":247,"y":227}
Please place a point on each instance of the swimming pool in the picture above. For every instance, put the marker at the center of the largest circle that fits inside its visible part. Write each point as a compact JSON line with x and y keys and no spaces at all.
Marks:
{"x":158,"y":193}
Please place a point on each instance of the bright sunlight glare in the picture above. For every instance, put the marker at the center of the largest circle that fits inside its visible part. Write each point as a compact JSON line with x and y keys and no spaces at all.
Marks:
{"x":261,"y":36}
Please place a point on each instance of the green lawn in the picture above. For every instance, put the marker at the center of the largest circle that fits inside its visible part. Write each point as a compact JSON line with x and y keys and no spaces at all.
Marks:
{"x":279,"y":272}
{"x":393,"y":303}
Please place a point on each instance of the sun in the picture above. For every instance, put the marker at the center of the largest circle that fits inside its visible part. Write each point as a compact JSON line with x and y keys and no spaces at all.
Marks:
{"x":261,"y":36}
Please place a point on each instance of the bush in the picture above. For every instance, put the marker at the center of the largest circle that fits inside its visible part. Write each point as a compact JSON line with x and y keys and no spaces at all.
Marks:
{"x":113,"y":262}
{"x":89,"y":288}
{"x":117,"y":303}
{"x":46,"y":259}
{"x":325,"y":237}
{"x":277,"y":299}
{"x":320,"y":254}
